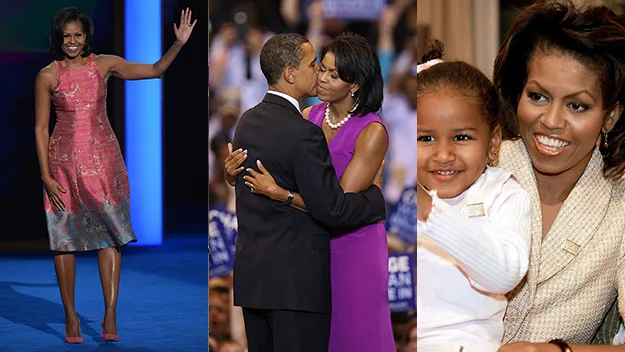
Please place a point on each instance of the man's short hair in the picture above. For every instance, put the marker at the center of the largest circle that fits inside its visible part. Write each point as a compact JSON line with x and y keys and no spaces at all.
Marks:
{"x":279,"y":52}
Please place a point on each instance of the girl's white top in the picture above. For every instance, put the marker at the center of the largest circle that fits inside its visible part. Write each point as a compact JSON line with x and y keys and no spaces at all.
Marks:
{"x":471,"y":251}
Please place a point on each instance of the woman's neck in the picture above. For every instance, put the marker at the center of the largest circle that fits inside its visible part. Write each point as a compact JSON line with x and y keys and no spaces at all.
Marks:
{"x":75,"y":62}
{"x":340,"y":108}
{"x":555,"y":189}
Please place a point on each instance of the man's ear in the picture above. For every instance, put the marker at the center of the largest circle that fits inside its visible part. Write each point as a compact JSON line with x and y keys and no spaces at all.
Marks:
{"x":289,"y":75}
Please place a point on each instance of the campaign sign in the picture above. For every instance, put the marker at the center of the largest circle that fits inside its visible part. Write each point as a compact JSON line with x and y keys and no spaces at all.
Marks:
{"x":222,"y":239}
{"x":401,"y":284}
{"x":366,"y":10}
{"x":403,"y":219}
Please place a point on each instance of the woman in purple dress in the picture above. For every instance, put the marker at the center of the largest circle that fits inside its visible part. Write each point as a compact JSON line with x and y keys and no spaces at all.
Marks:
{"x":350,"y":86}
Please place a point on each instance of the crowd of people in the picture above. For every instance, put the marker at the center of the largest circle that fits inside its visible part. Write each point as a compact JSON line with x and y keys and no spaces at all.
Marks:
{"x":236,"y":84}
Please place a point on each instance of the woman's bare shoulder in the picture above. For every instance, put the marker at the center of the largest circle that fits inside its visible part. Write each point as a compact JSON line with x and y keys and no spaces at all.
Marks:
{"x":48,"y":71}
{"x":306,"y":111}
{"x":47,"y":75}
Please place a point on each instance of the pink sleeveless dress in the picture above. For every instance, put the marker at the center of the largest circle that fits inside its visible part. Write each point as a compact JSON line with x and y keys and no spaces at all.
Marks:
{"x":361,"y":317}
{"x":85,"y":158}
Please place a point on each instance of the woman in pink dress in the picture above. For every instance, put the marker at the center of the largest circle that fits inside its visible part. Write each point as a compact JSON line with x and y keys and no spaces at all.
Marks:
{"x":86,"y":184}
{"x":350,"y":86}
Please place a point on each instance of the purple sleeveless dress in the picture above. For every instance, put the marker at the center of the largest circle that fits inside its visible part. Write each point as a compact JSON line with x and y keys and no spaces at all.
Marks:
{"x":361,"y":318}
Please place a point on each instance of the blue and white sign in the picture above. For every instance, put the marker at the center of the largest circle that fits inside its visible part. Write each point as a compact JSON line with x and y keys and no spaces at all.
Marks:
{"x":222,"y":240}
{"x":401,"y":284}
{"x":354,"y":9}
{"x":403,"y":219}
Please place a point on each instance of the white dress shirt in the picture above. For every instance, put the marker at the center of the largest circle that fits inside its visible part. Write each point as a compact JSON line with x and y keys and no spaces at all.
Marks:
{"x":471,"y":251}
{"x":287,"y":97}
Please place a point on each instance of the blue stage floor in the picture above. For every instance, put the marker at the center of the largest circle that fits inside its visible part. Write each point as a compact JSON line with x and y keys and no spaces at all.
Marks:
{"x":162,"y":303}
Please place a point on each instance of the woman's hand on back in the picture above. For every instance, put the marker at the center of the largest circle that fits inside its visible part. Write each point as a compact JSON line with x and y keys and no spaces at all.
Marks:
{"x":233,"y":163}
{"x":261,"y":182}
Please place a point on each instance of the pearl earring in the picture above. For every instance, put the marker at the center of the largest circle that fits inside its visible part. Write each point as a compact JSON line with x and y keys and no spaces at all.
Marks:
{"x":352,"y":93}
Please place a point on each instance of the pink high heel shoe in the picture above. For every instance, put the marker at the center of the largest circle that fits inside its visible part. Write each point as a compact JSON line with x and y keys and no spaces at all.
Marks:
{"x":74,"y":339}
{"x":108,"y":337}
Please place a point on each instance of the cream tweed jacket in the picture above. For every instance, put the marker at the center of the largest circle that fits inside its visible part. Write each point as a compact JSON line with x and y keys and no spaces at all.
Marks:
{"x":577,"y":271}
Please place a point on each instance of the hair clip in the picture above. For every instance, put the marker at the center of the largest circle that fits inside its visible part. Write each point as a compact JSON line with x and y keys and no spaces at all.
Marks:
{"x":426,"y":65}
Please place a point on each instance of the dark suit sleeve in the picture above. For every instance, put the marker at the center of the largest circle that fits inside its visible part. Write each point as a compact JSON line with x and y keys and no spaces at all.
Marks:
{"x":324,"y":197}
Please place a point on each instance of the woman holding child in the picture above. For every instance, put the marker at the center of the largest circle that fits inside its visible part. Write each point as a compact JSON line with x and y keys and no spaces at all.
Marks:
{"x":560,"y":73}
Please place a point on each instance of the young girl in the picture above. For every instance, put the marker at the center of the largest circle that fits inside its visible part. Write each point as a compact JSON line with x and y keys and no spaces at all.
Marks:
{"x":473,"y":228}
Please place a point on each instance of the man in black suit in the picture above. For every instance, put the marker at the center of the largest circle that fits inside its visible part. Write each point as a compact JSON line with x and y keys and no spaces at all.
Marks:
{"x":282,"y":260}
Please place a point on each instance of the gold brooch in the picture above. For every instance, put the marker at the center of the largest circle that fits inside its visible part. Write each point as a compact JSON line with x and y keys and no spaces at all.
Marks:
{"x":476,"y":210}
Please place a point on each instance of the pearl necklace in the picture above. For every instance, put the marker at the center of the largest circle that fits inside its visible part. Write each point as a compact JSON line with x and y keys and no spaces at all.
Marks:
{"x":338,"y":124}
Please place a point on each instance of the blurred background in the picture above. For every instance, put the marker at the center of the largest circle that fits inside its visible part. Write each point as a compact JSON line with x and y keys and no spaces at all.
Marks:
{"x":238,"y":30}
{"x":25,"y":25}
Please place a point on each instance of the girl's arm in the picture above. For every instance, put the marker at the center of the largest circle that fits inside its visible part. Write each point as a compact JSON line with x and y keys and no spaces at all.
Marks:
{"x":496,"y":259}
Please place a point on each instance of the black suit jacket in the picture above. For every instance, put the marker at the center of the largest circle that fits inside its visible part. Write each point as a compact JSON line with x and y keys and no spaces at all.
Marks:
{"x":282,"y":258}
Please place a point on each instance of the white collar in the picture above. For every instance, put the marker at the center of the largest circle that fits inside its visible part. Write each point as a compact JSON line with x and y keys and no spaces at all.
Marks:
{"x":287,"y":97}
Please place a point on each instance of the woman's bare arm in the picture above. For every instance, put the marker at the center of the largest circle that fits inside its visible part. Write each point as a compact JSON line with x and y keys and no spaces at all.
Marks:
{"x":371,"y":147}
{"x":124,"y":69}
{"x":43,"y":91}
{"x":120,"y":67}
{"x":369,"y":152}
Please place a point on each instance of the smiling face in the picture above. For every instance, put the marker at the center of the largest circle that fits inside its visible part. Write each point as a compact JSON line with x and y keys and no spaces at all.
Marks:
{"x":74,"y":39}
{"x":560,"y":113}
{"x":454,"y":142}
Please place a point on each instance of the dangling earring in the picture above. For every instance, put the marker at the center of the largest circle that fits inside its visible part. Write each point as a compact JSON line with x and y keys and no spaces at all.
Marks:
{"x":352,"y":93}
{"x":354,"y":107}
{"x":605,"y":140}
